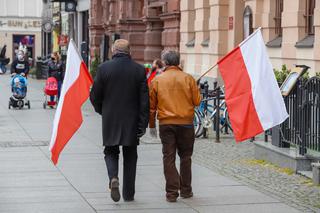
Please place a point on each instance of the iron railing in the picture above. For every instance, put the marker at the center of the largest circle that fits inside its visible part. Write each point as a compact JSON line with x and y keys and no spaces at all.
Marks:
{"x":302,"y":128}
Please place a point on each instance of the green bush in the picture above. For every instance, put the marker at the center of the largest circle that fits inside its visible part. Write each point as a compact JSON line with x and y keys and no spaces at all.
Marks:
{"x":282,"y":74}
{"x":306,"y":76}
{"x":94,"y":65}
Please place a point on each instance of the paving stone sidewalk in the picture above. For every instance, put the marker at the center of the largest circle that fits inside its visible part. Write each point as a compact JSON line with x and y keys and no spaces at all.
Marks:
{"x":29,"y":182}
{"x":237,"y":161}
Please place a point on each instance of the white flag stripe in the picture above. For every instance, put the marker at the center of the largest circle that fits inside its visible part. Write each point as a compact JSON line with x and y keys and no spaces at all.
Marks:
{"x":266,"y":94}
{"x":71,"y":74}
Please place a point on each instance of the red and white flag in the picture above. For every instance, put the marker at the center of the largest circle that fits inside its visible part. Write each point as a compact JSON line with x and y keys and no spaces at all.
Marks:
{"x":252,"y":95}
{"x":75,"y":91}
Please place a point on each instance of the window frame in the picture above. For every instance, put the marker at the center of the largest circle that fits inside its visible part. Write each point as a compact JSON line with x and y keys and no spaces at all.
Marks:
{"x":309,"y":17}
{"x":278,"y":18}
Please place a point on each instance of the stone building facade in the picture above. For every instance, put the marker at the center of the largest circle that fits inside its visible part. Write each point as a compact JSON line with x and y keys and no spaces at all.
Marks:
{"x":149,"y":25}
{"x":211,"y":28}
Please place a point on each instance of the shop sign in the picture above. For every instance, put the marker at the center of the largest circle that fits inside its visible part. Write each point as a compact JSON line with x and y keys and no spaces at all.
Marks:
{"x":231,"y":23}
{"x":63,"y":40}
{"x":21,"y":23}
{"x":47,"y":26}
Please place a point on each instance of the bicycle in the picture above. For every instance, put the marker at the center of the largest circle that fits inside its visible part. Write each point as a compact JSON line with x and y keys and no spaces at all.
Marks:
{"x":205,"y":114}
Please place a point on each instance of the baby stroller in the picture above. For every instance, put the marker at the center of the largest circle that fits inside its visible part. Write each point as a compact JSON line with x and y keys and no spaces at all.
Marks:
{"x":19,"y":92}
{"x":50,"y":89}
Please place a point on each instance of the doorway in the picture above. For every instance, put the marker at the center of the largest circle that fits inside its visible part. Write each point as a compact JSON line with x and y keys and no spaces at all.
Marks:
{"x":27,"y":42}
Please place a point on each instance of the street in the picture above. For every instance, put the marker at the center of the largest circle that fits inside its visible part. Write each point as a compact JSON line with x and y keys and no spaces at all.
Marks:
{"x":29,"y":182}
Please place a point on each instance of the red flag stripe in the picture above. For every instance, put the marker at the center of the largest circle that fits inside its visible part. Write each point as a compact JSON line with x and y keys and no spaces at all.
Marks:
{"x":243,"y":116}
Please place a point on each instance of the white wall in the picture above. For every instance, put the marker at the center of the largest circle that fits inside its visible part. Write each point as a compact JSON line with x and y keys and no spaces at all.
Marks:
{"x":21,"y":8}
{"x":83,"y":5}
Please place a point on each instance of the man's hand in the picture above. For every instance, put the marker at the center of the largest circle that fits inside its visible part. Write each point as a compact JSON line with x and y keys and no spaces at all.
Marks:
{"x":23,"y":74}
{"x":13,"y":74}
{"x":141,"y":132}
{"x":153,"y":132}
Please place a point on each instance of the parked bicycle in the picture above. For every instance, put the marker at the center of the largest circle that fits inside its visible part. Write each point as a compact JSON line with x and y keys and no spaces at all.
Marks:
{"x":206,"y":113}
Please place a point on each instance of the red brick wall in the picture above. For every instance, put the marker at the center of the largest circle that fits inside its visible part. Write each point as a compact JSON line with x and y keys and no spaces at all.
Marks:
{"x":148,"y":29}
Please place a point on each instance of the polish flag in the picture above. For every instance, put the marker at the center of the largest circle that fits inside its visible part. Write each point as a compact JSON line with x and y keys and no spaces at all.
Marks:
{"x":75,"y":91}
{"x":252,"y":95}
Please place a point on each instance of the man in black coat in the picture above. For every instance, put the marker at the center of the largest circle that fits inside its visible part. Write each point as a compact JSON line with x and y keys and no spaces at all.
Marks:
{"x":120,"y":95}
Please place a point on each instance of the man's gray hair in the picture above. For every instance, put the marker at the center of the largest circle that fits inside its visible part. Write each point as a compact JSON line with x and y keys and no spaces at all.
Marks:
{"x":121,"y":46}
{"x":170,"y":57}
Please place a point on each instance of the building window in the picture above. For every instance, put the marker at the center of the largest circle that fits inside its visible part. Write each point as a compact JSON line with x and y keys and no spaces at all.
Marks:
{"x":277,"y":18}
{"x":247,"y":22}
{"x":309,"y":15}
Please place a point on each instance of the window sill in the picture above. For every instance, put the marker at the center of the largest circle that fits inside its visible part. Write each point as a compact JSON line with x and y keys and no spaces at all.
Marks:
{"x":306,"y":42}
{"x":205,"y":43}
{"x":275,"y":43}
{"x":191,"y":43}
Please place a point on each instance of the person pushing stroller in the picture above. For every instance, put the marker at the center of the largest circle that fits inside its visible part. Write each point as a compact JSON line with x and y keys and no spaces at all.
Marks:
{"x":19,"y":72}
{"x":56,"y":70}
{"x":20,"y":65}
{"x":19,"y":91}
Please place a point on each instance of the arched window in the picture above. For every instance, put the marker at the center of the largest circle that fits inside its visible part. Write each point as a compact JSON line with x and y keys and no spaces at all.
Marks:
{"x":247,"y":22}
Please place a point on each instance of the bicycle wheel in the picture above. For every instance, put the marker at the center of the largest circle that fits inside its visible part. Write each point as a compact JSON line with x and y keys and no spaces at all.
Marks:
{"x":197,"y":123}
{"x":227,"y":119}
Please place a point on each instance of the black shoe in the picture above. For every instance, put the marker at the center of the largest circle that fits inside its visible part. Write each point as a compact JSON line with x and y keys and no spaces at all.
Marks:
{"x":114,"y":186}
{"x":128,"y":199}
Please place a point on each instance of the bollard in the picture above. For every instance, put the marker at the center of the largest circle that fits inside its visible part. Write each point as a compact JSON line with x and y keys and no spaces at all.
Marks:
{"x":215,"y":84}
{"x":316,"y":173}
{"x":206,"y":92}
{"x":217,"y":117}
{"x":266,"y":136}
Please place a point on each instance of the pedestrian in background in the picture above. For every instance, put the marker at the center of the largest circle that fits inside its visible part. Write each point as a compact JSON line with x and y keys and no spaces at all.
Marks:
{"x":173,"y":97}
{"x":157,"y":69}
{"x":56,"y":70}
{"x":3,"y":60}
{"x":120,"y":95}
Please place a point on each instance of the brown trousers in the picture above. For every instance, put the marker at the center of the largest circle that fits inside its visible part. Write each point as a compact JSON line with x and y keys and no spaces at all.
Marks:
{"x":177,"y":138}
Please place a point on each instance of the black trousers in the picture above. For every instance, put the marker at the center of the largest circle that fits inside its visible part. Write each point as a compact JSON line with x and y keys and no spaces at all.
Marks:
{"x":130,"y":156}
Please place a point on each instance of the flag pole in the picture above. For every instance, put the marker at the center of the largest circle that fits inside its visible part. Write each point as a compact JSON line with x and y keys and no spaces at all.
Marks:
{"x":206,"y":72}
{"x":250,"y":36}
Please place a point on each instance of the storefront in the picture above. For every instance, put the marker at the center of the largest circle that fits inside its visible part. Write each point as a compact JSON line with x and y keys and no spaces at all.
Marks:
{"x":15,"y":31}
{"x":82,"y":33}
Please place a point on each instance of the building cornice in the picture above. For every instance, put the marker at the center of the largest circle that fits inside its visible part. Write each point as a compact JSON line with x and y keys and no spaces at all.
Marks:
{"x":170,"y":15}
{"x":21,"y":17}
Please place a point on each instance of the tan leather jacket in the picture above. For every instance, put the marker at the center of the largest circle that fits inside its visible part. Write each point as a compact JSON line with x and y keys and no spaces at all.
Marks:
{"x":173,"y":96}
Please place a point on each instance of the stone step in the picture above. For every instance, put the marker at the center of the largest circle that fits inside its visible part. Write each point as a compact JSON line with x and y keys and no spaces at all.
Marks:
{"x":307,"y":174}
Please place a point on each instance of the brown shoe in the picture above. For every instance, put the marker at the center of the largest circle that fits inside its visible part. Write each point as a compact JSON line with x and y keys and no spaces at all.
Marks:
{"x":114,"y":186}
{"x":186,"y":195}
{"x":172,"y":199}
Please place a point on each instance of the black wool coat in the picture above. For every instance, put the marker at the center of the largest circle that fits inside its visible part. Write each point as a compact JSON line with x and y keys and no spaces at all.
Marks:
{"x":120,"y":94}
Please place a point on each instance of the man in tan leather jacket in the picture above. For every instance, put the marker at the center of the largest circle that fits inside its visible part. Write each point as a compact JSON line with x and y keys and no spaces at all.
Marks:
{"x":173,"y":96}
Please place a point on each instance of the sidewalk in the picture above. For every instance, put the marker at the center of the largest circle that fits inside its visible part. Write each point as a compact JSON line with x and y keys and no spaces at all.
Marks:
{"x":30,"y":183}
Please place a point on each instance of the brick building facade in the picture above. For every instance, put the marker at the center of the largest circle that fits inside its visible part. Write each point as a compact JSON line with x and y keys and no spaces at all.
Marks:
{"x":149,"y":25}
